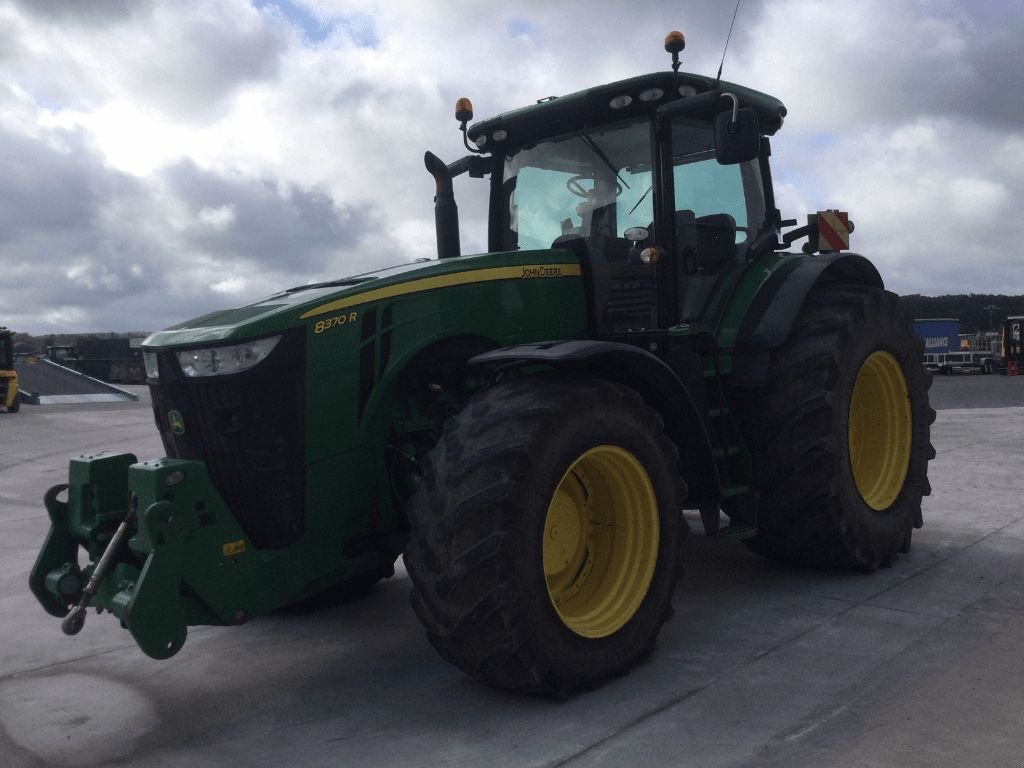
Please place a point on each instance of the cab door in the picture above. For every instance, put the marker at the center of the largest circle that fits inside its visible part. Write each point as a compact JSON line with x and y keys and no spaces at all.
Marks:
{"x":711,"y":213}
{"x":592,"y":191}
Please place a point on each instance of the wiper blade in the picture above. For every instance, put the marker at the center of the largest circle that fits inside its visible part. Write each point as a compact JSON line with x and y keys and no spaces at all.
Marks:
{"x":592,"y":145}
{"x":641,"y":200}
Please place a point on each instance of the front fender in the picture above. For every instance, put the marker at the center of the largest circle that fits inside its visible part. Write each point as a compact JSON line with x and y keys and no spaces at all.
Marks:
{"x":634,"y":367}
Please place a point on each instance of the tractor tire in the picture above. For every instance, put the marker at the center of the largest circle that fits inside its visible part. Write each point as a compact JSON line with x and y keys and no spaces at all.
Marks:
{"x":843,"y":447}
{"x":545,"y":534}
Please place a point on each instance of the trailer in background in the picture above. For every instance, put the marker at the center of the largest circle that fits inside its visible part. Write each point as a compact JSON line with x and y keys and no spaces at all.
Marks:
{"x":1013,"y":355}
{"x":966,"y":361}
{"x":948,"y":351}
{"x":940,"y":334}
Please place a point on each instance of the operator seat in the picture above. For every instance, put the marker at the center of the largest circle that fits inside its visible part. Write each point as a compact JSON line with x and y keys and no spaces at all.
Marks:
{"x":706,"y":246}
{"x":716,"y":241}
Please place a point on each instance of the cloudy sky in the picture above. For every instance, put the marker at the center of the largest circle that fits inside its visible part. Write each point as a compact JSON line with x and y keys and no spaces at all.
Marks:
{"x":163,"y":158}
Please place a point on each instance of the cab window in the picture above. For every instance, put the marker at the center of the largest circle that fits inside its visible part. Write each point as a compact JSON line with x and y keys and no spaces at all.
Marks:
{"x":717,"y":210}
{"x":583,"y":184}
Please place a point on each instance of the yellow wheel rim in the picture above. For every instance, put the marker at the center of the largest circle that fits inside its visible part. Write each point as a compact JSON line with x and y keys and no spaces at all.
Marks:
{"x":880,"y":431}
{"x":601,"y":541}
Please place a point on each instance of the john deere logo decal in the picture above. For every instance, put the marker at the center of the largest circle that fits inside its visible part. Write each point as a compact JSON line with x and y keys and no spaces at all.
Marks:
{"x":176,"y":421}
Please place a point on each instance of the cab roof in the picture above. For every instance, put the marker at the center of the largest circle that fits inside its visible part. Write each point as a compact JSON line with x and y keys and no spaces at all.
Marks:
{"x":593,"y":107}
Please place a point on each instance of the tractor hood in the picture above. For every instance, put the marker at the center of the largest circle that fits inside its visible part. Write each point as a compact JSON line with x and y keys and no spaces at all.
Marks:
{"x":309,"y":304}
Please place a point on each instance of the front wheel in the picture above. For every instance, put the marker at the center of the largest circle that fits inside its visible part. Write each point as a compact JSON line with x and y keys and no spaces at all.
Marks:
{"x":545,"y":535}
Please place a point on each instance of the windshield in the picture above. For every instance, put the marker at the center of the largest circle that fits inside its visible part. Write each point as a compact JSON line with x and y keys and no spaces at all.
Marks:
{"x":580,"y":184}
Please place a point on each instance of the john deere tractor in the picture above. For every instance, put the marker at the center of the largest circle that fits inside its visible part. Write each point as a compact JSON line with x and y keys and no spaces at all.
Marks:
{"x":525,"y":425}
{"x":8,"y":376}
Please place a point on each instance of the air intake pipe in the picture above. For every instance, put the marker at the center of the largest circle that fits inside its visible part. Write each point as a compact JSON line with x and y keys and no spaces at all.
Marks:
{"x":446,"y":212}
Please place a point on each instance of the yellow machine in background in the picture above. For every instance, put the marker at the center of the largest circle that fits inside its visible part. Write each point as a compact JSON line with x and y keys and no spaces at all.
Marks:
{"x":8,"y":376}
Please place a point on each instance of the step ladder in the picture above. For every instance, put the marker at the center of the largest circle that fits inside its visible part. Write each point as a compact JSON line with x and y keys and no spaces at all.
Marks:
{"x":732,"y":459}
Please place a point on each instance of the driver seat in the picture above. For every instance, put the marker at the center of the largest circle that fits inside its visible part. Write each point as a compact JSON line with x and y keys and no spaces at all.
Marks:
{"x":716,"y":241}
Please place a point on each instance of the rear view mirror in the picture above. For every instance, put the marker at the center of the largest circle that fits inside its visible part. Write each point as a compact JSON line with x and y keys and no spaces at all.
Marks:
{"x":737,"y":138}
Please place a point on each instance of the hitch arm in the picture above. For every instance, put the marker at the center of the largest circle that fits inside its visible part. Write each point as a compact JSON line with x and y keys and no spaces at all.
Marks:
{"x":75,"y":620}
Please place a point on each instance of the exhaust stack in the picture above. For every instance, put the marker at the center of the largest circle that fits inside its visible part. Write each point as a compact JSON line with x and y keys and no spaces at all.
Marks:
{"x":446,"y":212}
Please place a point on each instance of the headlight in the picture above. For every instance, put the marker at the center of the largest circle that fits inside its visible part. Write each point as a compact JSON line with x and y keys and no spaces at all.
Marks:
{"x":152,"y":368}
{"x":221,"y":361}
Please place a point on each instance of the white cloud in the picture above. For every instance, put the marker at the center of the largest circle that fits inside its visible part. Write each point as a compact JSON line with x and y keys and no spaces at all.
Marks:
{"x":192,"y":154}
{"x":220,"y":217}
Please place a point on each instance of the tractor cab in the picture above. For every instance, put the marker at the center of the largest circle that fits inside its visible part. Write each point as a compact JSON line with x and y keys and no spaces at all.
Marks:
{"x":659,"y":184}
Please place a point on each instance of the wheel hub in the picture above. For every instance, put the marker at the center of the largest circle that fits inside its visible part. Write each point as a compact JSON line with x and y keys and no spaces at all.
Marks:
{"x":600,"y":542}
{"x":880,"y":430}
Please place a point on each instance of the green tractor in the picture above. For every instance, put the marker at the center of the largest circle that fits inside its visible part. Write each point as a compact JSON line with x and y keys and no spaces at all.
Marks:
{"x":526,"y":425}
{"x":9,"y":398}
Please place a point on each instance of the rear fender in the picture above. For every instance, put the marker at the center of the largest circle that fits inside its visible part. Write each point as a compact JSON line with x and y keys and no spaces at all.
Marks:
{"x":634,"y":367}
{"x":775,"y":307}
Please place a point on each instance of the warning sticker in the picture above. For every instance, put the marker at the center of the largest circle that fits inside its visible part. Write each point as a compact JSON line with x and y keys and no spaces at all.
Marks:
{"x":833,"y":230}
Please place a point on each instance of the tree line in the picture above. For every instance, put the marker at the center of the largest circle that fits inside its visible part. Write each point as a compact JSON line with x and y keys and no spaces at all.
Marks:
{"x":975,"y":311}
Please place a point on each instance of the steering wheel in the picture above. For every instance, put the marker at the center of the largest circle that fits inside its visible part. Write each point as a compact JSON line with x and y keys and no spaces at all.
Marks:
{"x":574,"y":186}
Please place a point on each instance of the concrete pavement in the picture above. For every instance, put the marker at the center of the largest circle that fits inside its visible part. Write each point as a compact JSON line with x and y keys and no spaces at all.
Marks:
{"x":916,"y":665}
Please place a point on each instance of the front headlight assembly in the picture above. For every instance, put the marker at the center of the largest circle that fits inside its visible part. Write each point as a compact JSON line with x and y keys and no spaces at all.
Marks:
{"x":223,"y":361}
{"x":152,"y":366}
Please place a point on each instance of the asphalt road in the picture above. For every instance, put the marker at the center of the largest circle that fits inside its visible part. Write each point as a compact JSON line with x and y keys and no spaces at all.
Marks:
{"x":976,"y":391}
{"x":916,"y":665}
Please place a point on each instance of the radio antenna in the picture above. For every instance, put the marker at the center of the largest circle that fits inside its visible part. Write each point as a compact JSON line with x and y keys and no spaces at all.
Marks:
{"x":727,"y":37}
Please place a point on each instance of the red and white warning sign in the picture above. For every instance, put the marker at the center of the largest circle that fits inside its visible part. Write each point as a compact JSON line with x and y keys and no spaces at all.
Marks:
{"x":833,"y":230}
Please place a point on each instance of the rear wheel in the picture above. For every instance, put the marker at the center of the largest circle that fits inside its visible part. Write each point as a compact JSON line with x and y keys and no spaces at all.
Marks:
{"x":545,"y":534}
{"x":844,"y":446}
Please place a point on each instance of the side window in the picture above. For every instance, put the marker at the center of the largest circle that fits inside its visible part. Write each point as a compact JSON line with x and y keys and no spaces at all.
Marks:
{"x":704,"y":189}
{"x":717,"y":210}
{"x":707,"y":188}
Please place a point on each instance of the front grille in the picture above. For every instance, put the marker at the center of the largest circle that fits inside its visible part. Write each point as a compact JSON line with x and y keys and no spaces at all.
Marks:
{"x":248,"y":429}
